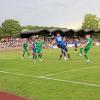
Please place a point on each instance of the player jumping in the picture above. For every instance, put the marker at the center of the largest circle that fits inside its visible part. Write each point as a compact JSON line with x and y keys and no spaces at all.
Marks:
{"x":58,"y":40}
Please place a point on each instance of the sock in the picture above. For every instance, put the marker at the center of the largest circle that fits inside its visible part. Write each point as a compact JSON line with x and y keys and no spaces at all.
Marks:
{"x":23,"y":53}
{"x":64,"y":54}
{"x":81,"y":50}
{"x":28,"y":54}
{"x":86,"y":57}
{"x":35,"y":57}
{"x":40,"y":55}
{"x":60,"y":57}
{"x":68,"y":56}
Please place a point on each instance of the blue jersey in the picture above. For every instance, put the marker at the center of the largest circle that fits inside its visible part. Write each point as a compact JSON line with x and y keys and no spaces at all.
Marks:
{"x":75,"y":43}
{"x":58,"y":39}
{"x":63,"y":44}
{"x":34,"y":47}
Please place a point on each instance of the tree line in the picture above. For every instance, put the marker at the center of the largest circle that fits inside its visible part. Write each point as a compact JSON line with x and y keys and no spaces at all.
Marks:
{"x":11,"y":27}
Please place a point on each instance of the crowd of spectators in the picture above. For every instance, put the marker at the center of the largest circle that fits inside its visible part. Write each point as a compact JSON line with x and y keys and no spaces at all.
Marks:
{"x":48,"y":43}
{"x":11,"y":42}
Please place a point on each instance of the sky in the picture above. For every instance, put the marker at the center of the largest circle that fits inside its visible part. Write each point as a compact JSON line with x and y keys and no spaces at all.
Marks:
{"x":59,"y":13}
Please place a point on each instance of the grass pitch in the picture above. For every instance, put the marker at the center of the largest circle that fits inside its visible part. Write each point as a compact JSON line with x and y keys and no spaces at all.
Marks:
{"x":51,"y":80}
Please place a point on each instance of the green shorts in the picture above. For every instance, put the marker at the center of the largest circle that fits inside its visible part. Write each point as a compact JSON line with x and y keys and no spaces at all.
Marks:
{"x":86,"y":49}
{"x":25,"y":50}
{"x":38,"y":51}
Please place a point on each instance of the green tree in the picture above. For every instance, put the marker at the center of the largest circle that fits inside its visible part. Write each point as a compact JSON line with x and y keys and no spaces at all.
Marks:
{"x":11,"y":27}
{"x":90,"y":22}
{"x":29,"y":27}
{"x":98,"y":23}
{"x":1,"y":32}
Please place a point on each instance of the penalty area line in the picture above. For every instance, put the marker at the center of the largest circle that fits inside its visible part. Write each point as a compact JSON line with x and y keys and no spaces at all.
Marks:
{"x":73,"y":82}
{"x":18,"y":74}
{"x":53,"y":79}
{"x":21,"y":59}
{"x":73,"y":70}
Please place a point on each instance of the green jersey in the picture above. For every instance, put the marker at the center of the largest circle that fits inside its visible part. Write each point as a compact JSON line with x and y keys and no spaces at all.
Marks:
{"x":39,"y":46}
{"x":25,"y":46}
{"x":89,"y":43}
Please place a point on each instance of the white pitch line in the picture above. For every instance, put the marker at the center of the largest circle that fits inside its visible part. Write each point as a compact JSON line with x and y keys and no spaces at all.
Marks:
{"x":70,"y":71}
{"x":12,"y":58}
{"x":18,"y":74}
{"x":54,"y":79}
{"x":74,"y":82}
{"x":8,"y":59}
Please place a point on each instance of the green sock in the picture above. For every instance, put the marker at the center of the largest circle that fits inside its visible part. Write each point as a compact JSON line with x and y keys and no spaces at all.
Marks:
{"x":28,"y":54}
{"x":35,"y":57}
{"x":81,"y":50}
{"x":23,"y":53}
{"x":86,"y":57}
{"x":40,"y":55}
